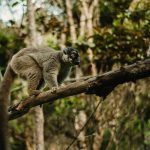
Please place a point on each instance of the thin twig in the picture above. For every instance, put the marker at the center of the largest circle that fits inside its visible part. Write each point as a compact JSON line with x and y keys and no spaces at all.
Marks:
{"x":92,"y":114}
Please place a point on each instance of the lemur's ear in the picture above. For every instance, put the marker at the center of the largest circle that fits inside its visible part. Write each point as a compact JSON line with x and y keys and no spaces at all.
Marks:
{"x":68,"y":50}
{"x":65,"y":50}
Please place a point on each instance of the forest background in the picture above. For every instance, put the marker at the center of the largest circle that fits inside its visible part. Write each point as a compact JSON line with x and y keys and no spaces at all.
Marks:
{"x":108,"y":35}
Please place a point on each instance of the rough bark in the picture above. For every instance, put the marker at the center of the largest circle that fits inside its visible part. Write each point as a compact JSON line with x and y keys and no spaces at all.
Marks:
{"x":71,"y":21}
{"x":38,"y":113}
{"x":100,"y":85}
{"x":31,"y":23}
{"x":39,"y":128}
{"x":4,"y":96}
{"x":3,"y":121}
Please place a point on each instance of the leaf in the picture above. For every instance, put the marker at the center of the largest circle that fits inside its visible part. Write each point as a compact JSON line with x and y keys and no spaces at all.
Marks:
{"x":15,"y":3}
{"x":116,"y":22}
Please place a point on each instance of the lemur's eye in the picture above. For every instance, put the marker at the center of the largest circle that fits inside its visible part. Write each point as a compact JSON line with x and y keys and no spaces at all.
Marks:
{"x":72,"y":55}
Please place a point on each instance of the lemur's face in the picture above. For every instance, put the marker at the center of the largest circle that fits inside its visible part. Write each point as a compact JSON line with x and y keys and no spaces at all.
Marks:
{"x":72,"y":56}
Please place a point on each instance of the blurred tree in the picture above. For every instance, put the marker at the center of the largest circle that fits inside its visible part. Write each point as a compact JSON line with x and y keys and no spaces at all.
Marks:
{"x":117,"y":33}
{"x":38,"y":114}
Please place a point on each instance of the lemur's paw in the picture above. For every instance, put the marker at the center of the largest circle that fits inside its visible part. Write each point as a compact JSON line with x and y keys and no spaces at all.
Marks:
{"x":54,"y":89}
{"x":35,"y":93}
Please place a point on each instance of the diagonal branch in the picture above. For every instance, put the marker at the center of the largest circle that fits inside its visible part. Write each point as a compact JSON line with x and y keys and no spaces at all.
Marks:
{"x":100,"y":85}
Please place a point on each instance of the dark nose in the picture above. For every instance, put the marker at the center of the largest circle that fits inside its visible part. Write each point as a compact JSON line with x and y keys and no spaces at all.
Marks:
{"x":77,"y":62}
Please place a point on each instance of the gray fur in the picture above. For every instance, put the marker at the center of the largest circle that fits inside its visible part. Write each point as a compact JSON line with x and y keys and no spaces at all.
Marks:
{"x":42,"y":64}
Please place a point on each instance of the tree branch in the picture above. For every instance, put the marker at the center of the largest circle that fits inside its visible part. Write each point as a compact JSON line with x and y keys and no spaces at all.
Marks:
{"x":100,"y":85}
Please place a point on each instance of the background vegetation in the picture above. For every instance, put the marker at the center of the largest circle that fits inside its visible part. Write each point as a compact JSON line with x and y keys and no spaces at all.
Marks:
{"x":108,"y":35}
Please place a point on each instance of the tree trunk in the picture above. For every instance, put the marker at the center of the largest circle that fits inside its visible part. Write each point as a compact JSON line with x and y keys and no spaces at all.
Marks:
{"x":38,"y":114}
{"x":88,"y":11}
{"x":4,"y":96}
{"x":31,"y":23}
{"x":39,"y":129}
{"x":71,"y":21}
{"x":73,"y":32}
{"x":62,"y":40}
{"x":82,"y":23}
{"x":80,"y":121}
{"x":3,"y":120}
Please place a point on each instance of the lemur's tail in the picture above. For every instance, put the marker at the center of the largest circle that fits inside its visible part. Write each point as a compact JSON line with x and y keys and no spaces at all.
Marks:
{"x":7,"y":81}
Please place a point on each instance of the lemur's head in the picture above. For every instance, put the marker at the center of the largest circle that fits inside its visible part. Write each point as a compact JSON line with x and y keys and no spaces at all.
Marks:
{"x":71,"y":56}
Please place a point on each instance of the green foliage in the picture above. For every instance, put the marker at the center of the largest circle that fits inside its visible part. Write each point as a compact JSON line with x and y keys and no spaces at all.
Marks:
{"x":10,"y":43}
{"x":121,"y":38}
{"x":17,"y":131}
{"x":64,"y":106}
{"x":18,"y":127}
{"x":51,"y":41}
{"x":67,"y":104}
{"x":147,"y":133}
{"x":110,"y":9}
